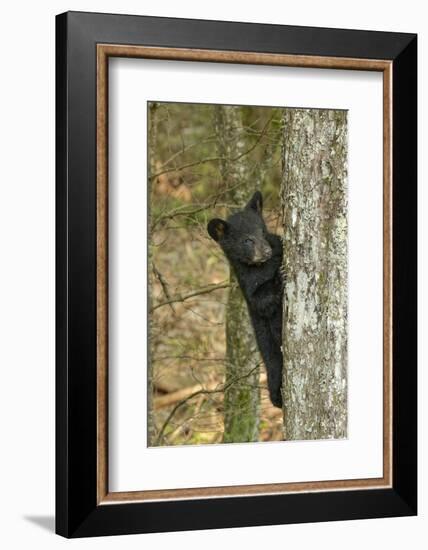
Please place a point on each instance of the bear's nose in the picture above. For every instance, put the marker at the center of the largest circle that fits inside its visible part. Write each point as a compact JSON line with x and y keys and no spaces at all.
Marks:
{"x":262,"y":253}
{"x":267,"y":253}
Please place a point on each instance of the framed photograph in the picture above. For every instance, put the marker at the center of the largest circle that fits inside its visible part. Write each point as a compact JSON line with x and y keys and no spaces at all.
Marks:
{"x":236,"y":274}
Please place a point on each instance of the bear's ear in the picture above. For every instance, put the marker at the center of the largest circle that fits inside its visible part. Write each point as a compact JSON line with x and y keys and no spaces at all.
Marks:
{"x":256,"y":202}
{"x":217,"y":228}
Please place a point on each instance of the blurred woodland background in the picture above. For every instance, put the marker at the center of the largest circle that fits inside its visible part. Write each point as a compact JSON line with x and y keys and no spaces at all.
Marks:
{"x":205,"y":160}
{"x":206,"y":380}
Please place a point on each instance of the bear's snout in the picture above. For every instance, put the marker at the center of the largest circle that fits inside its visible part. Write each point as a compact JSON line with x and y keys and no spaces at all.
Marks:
{"x":262,"y":253}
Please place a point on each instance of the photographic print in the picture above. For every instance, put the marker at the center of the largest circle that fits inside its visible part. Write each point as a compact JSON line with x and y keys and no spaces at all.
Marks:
{"x":247,"y":274}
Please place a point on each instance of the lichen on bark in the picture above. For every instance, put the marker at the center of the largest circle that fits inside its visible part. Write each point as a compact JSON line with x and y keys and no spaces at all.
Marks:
{"x":314,"y":206}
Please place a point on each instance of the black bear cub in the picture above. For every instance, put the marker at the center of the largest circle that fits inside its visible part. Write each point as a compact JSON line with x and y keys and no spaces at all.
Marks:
{"x":256,"y":255}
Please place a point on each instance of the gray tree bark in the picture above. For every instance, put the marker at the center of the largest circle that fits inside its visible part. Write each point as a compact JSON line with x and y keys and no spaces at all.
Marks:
{"x":242,"y":398}
{"x":314,"y":201}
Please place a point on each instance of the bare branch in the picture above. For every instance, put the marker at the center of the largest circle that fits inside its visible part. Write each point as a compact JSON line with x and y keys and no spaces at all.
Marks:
{"x":212,"y":203}
{"x":215,"y":159}
{"x":198,"y":292}
{"x":186,"y":148}
{"x":188,"y":165}
{"x":202,"y":391}
{"x":178,"y":395}
{"x":163,"y":283}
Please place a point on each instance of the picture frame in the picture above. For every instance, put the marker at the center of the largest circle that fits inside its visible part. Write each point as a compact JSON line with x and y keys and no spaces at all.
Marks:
{"x":84,"y":44}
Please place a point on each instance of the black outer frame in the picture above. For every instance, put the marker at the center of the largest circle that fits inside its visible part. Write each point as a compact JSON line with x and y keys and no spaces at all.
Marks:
{"x":77,"y":513}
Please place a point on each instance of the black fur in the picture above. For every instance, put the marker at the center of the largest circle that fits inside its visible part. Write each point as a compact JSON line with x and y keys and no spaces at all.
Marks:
{"x":256,"y":255}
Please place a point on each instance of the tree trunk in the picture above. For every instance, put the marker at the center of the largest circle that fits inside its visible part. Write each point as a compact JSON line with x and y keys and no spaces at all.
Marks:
{"x":314,"y":200}
{"x":242,"y":398}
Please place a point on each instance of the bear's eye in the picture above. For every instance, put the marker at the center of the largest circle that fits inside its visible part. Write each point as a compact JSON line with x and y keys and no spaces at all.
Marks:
{"x":249,"y":241}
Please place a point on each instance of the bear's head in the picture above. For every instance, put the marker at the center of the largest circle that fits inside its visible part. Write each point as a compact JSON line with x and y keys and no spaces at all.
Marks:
{"x":243,"y":235}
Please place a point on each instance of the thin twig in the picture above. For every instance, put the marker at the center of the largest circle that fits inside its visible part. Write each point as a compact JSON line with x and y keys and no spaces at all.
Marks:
{"x":164,"y":284}
{"x":187,"y":148}
{"x":200,"y":392}
{"x":214,"y":159}
{"x":198,"y":292}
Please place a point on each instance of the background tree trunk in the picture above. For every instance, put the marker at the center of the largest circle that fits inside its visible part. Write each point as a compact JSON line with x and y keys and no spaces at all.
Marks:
{"x":242,"y":398}
{"x":314,"y":200}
